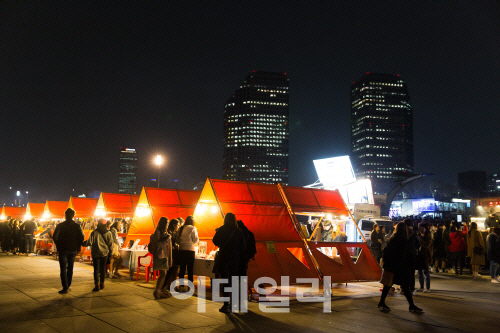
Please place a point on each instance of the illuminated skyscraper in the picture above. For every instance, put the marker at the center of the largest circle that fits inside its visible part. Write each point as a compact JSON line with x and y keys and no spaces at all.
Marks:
{"x":256,"y":130}
{"x":127,"y":181}
{"x":381,"y":129}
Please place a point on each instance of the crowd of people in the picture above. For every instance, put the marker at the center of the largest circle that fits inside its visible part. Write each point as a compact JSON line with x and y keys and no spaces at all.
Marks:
{"x":17,"y":237}
{"x":172,"y":246}
{"x":423,"y":247}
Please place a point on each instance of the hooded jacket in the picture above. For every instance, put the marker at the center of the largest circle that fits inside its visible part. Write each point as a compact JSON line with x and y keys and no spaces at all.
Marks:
{"x":187,"y":238}
{"x":100,"y":241}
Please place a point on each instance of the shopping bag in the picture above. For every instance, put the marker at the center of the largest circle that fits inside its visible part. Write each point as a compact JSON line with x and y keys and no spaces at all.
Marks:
{"x":387,"y":278}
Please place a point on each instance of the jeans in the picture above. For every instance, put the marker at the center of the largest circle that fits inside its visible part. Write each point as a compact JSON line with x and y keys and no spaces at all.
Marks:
{"x":494,"y":268}
{"x":99,"y":264}
{"x":458,"y":260}
{"x":66,"y":262}
{"x":424,"y":273}
{"x":186,"y":259}
{"x":28,"y":241}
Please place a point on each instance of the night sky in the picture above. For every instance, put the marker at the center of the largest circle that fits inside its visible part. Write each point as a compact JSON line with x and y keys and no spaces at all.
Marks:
{"x":79,"y":80}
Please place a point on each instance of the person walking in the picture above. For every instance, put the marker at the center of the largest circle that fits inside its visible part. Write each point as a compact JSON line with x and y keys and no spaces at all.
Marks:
{"x":68,"y":237}
{"x":231,"y":243}
{"x":187,"y":238}
{"x":475,"y":249}
{"x":447,"y":243}
{"x":399,"y":260}
{"x":115,"y":259}
{"x":424,"y":257}
{"x":172,"y":272}
{"x":493,"y":241}
{"x":160,"y":245}
{"x":439,"y":249}
{"x":377,"y":240}
{"x":457,"y":247}
{"x":101,"y":243}
{"x":29,"y":234}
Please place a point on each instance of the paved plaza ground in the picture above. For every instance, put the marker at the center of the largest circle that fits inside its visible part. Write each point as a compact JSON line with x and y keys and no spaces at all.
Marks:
{"x":29,"y":302}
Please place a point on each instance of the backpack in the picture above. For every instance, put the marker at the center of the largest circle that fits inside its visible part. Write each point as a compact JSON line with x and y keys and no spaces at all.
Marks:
{"x":152,"y":246}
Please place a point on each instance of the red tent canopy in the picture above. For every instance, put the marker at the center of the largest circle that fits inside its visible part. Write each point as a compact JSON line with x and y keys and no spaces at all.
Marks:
{"x":35,"y":209}
{"x":56,"y":209}
{"x":120,"y":204}
{"x":13,"y":212}
{"x":303,"y":199}
{"x":84,"y":207}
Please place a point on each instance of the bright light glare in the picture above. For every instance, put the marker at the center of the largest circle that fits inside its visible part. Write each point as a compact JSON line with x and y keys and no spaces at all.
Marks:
{"x":158,"y":160}
{"x":329,"y":216}
{"x":3,"y":217}
{"x":214,"y":209}
{"x":142,"y":211}
{"x":99,"y":212}
{"x":46,"y":215}
{"x":27,"y":216}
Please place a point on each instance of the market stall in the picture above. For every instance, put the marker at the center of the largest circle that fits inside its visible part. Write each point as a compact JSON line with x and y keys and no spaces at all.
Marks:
{"x":281,"y":250}
{"x":35,"y":211}
{"x":84,"y":215}
{"x":157,"y":202}
{"x":54,"y":210}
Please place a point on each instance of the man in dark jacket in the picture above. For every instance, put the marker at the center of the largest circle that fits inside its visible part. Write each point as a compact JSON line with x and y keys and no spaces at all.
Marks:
{"x":493,"y":241}
{"x":68,"y":237}
{"x":231,"y":243}
{"x":101,"y":243}
{"x":29,"y":233}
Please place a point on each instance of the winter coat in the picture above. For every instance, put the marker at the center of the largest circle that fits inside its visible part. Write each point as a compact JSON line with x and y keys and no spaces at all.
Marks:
{"x":458,"y":241}
{"x":160,"y":245}
{"x":475,"y":239}
{"x":439,"y":247}
{"x":399,"y":260}
{"x":493,"y":241}
{"x":232,"y":248}
{"x":100,"y":241}
{"x":425,"y":251}
{"x":187,"y":238}
{"x":68,"y":236}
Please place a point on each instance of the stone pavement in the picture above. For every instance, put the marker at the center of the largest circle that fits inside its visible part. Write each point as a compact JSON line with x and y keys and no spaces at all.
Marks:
{"x":29,"y":302}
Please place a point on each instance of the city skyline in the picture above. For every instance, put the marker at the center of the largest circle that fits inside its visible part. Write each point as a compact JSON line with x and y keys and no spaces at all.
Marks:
{"x":81,"y":80}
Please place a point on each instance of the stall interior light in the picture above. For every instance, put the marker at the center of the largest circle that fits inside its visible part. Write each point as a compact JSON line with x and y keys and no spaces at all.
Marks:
{"x":142,"y":211}
{"x":3,"y":217}
{"x":328,"y":216}
{"x":46,"y":215}
{"x":203,"y":208}
{"x":27,"y":216}
{"x":99,"y":212}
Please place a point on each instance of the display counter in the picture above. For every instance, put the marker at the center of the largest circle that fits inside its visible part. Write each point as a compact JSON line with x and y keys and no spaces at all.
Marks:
{"x":129,"y":259}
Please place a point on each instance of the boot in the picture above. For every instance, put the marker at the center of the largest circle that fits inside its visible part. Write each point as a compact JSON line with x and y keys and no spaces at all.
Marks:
{"x":101,"y":286}
{"x":96,"y":288}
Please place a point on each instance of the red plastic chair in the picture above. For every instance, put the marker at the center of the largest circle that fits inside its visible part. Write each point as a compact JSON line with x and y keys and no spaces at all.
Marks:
{"x":147,"y":267}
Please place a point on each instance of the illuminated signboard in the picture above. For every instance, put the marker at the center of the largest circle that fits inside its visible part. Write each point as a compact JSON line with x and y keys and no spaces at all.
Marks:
{"x":335,"y":171}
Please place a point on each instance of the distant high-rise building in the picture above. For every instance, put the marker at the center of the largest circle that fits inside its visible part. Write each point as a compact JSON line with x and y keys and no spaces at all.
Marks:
{"x":256,"y":130}
{"x":381,"y":129}
{"x":127,"y":181}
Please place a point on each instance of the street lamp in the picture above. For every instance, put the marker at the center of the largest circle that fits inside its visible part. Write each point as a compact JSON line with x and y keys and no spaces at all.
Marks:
{"x":158,"y":162}
{"x":27,"y":196}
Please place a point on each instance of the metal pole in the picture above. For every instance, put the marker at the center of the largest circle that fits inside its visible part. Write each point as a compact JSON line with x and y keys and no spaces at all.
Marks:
{"x":158,"y":176}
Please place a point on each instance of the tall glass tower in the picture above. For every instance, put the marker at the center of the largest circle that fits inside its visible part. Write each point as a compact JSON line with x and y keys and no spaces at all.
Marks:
{"x":256,"y":130}
{"x":381,"y":129}
{"x":127,"y":181}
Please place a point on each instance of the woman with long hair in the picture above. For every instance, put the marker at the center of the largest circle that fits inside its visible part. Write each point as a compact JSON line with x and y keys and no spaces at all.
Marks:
{"x":187,"y":238}
{"x":231,"y":243}
{"x":161,"y":248}
{"x":424,"y":257}
{"x":475,"y":249}
{"x":398,"y":260}
{"x":173,"y":226}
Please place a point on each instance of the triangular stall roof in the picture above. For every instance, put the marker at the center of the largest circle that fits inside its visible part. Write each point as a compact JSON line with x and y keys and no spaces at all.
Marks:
{"x":157,"y":202}
{"x":116,"y":205}
{"x":281,"y":251}
{"x":13,"y":212}
{"x":83,"y":207}
{"x":55,"y":210}
{"x":35,"y":210}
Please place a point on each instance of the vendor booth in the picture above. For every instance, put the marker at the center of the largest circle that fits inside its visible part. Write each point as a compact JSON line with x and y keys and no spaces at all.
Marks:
{"x":35,"y":211}
{"x":283,"y":247}
{"x":12,"y":212}
{"x":54,"y":210}
{"x":116,"y":205}
{"x":157,"y":202}
{"x":152,"y":205}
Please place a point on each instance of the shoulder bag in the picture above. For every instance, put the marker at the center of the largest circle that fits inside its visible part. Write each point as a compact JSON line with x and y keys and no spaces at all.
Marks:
{"x":217,"y":256}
